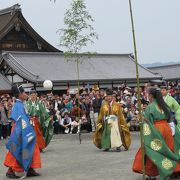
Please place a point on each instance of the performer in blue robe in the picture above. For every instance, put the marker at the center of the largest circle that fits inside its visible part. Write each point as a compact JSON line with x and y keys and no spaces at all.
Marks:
{"x":23,"y":153}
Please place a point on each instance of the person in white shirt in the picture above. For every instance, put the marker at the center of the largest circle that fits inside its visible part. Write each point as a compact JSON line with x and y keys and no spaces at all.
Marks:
{"x":66,"y":123}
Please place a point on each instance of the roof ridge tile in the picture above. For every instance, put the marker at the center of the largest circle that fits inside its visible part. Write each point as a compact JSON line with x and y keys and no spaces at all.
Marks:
{"x":12,"y":9}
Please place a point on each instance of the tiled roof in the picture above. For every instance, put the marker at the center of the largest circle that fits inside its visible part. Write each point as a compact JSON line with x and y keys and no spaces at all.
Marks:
{"x":37,"y":67}
{"x":5,"y":84}
{"x":169,"y":72}
{"x":8,"y":19}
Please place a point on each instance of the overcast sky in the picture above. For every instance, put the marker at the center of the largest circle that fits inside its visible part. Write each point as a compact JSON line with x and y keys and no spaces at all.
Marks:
{"x":157,"y":25}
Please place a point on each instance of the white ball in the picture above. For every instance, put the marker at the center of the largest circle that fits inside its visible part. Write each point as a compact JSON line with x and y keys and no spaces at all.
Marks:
{"x":47,"y":84}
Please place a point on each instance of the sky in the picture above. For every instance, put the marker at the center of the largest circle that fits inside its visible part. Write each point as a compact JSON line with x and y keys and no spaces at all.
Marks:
{"x":157,"y":25}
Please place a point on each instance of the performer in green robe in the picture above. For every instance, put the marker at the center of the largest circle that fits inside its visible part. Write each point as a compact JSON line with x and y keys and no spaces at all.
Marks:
{"x":172,"y":103}
{"x":40,"y":120}
{"x":161,"y":141}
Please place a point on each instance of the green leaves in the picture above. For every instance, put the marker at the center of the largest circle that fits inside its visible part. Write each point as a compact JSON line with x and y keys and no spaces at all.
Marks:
{"x":78,"y":31}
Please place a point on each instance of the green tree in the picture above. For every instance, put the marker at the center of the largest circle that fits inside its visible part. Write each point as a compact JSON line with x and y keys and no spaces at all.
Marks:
{"x":77,"y":33}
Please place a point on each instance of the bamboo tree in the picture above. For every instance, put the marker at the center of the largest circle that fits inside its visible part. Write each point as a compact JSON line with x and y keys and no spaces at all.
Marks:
{"x":78,"y":33}
{"x":138,"y":88}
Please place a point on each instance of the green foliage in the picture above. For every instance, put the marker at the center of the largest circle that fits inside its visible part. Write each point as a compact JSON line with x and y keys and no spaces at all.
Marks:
{"x":78,"y":31}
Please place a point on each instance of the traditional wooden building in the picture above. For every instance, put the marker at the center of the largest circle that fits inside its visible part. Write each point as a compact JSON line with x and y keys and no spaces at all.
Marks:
{"x":26,"y":58}
{"x":107,"y":70}
{"x":170,"y":72}
{"x":16,"y":34}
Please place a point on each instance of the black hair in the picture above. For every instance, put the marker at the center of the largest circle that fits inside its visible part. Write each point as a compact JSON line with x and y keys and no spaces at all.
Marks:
{"x":32,"y":91}
{"x":16,"y":90}
{"x":109,"y":91}
{"x":160,"y":101}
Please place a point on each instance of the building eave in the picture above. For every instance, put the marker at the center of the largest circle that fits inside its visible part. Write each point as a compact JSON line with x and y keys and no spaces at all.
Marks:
{"x":17,"y":17}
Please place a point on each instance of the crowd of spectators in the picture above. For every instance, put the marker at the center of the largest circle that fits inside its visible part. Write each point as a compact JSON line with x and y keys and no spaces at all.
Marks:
{"x":71,"y":113}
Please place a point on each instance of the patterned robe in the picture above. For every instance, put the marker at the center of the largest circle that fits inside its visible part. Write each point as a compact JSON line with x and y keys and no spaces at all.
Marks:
{"x":15,"y":158}
{"x":161,"y":147}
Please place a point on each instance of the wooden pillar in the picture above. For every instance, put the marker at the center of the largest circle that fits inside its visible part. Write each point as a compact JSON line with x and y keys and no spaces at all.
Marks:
{"x":35,"y":86}
{"x":12,"y":79}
